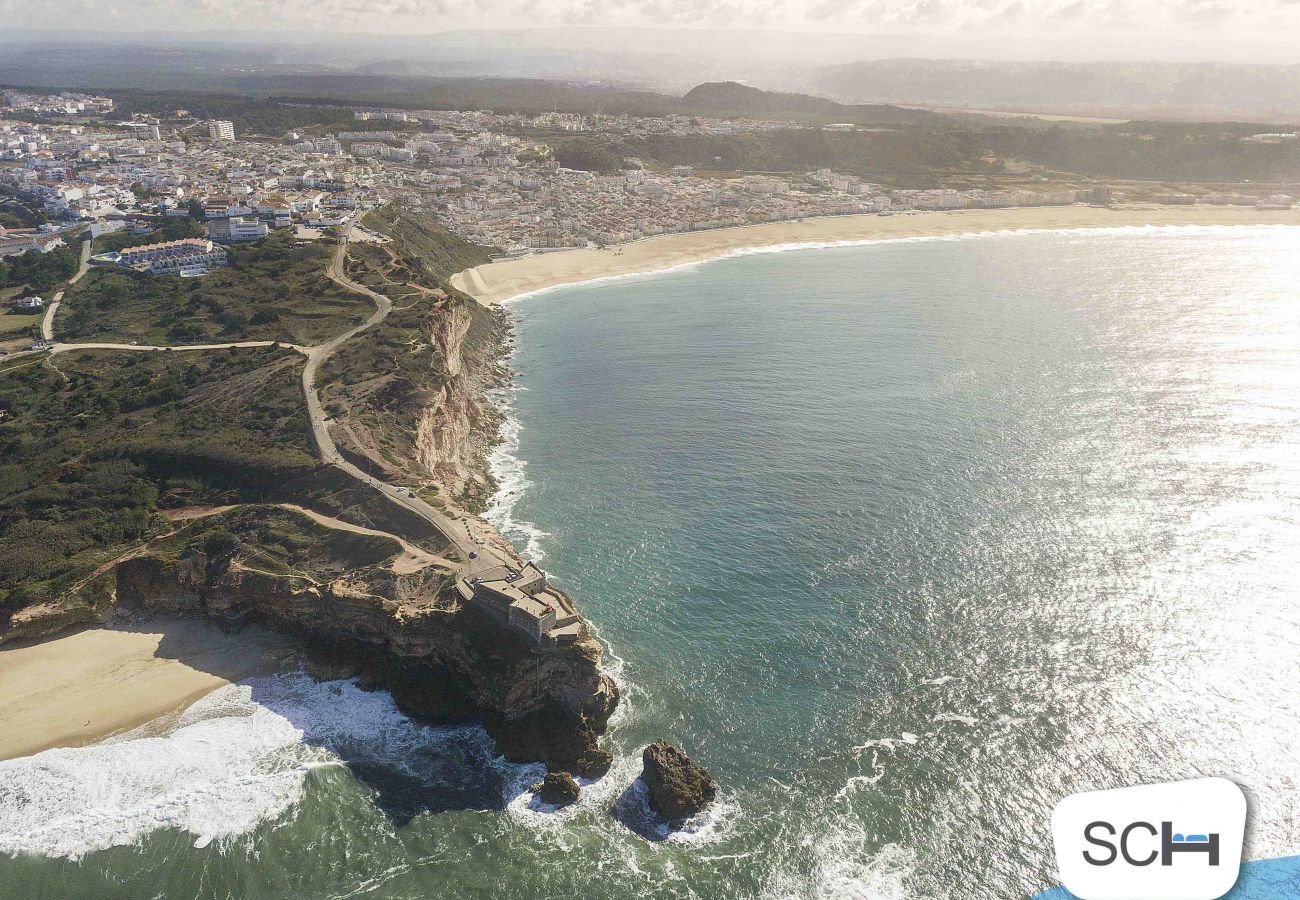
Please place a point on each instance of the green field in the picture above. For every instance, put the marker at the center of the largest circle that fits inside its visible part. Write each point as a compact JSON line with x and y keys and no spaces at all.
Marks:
{"x":18,"y":323}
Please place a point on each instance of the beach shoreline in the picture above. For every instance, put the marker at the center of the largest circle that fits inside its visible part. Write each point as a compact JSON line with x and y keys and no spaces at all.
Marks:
{"x":87,"y":685}
{"x":500,"y":282}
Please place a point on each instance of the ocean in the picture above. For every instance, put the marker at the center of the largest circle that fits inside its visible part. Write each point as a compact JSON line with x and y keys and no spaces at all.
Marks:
{"x":903,"y":541}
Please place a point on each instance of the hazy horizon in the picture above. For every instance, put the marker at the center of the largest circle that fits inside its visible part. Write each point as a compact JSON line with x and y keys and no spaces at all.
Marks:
{"x":1204,"y":30}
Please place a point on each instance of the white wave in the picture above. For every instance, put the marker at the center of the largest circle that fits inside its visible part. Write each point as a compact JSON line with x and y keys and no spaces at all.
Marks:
{"x":596,"y":796}
{"x":710,"y":826}
{"x":955,"y":717}
{"x":858,"y":782}
{"x":616,"y":668}
{"x":838,"y":863}
{"x":510,"y":472}
{"x":236,"y":758}
{"x":793,"y":246}
{"x":228,"y":764}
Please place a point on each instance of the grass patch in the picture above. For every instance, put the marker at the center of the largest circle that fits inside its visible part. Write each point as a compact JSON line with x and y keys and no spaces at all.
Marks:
{"x":19,"y":322}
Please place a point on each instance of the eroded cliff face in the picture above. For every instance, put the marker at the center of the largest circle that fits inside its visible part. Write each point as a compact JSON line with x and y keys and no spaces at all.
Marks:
{"x":442,"y":661}
{"x":458,"y":423}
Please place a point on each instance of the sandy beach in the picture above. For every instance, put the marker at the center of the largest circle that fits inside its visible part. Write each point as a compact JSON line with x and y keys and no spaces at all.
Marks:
{"x":87,"y":685}
{"x":502,"y":281}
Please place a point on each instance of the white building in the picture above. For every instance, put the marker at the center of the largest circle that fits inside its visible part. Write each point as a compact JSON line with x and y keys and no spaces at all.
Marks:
{"x":221,"y":130}
{"x":236,"y":230}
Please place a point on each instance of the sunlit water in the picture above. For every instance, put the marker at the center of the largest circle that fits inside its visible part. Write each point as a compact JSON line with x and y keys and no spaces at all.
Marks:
{"x":905,"y":542}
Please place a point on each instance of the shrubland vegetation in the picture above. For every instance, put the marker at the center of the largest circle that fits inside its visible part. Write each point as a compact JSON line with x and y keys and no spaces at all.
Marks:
{"x":272,"y":290}
{"x":96,"y":443}
{"x":92,"y":441}
{"x":275,"y":540}
{"x":921,"y":156}
{"x":36,"y":271}
{"x":1159,"y":151}
{"x":18,"y":212}
{"x":249,"y":115}
{"x":381,"y":384}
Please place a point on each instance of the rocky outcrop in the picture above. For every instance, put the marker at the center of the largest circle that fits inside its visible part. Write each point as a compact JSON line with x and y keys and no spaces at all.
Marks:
{"x":558,"y":789}
{"x":443,"y":662}
{"x":679,"y":787}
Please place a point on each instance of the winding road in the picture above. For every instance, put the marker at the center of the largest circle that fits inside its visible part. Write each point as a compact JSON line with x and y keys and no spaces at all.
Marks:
{"x":455,"y":530}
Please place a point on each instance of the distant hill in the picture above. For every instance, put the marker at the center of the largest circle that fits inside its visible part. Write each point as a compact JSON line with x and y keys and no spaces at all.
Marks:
{"x":1122,"y":89}
{"x":729,"y":99}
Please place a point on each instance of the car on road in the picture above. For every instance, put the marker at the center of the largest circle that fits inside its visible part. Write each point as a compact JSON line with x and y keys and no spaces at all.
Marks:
{"x":410,"y":493}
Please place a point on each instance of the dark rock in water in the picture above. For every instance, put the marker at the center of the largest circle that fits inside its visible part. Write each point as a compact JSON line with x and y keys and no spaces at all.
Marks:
{"x":558,"y":737}
{"x":679,"y":788}
{"x":594,"y":763}
{"x":559,"y":789}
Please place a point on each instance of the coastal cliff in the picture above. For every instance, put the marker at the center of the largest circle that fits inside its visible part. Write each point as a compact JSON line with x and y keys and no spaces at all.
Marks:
{"x":443,"y":661}
{"x":193,"y":485}
{"x":457,"y":425}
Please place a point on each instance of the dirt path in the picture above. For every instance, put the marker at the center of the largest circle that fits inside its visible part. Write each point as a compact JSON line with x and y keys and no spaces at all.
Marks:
{"x":456,"y":530}
{"x":411,"y":559}
{"x":47,"y":324}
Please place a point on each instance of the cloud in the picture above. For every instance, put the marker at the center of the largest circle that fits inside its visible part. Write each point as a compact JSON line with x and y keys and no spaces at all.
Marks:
{"x":1191,"y":18}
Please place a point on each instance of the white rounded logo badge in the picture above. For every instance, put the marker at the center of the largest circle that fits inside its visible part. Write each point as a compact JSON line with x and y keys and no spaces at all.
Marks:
{"x":1175,"y":841}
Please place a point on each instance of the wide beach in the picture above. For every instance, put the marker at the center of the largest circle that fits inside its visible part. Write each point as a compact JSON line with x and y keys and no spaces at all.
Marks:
{"x":501,"y":281}
{"x":90,"y":684}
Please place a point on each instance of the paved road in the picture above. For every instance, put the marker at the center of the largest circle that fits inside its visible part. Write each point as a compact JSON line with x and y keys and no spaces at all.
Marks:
{"x":47,"y":324}
{"x":454,"y":529}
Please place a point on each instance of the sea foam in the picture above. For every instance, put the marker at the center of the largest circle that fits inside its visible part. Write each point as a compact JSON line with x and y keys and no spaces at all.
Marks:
{"x":843,"y":866}
{"x":235,"y":759}
{"x":510,"y":473}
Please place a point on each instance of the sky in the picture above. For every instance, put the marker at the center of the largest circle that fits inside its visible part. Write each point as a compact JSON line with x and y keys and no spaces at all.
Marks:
{"x":1220,"y":22}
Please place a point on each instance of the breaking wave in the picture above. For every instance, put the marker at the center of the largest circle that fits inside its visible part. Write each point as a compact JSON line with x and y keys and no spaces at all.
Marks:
{"x":510,"y":473}
{"x":238,"y":758}
{"x":844,"y":867}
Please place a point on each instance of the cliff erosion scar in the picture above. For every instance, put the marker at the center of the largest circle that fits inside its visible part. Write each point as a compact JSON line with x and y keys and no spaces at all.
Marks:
{"x":350,"y":522}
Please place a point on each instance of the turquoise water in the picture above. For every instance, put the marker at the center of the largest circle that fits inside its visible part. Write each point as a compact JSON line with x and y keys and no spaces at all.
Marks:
{"x":905,"y":542}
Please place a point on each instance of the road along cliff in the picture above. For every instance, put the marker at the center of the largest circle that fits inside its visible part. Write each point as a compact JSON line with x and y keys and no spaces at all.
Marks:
{"x":329,"y":491}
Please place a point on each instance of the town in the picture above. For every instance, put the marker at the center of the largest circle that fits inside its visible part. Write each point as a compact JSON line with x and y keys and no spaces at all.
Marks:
{"x":485,"y":176}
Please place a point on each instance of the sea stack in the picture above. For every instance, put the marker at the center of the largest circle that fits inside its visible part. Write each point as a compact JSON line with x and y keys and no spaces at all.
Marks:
{"x":679,"y":787}
{"x":558,"y":789}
